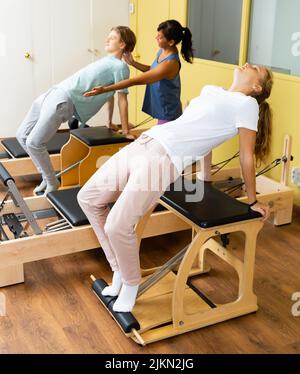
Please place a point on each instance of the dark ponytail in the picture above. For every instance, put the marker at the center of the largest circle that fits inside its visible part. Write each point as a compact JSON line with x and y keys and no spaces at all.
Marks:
{"x":186,"y":49}
{"x":173,"y":30}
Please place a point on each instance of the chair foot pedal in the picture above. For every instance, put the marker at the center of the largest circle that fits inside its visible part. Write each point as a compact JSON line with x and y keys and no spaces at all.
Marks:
{"x":126,"y":320}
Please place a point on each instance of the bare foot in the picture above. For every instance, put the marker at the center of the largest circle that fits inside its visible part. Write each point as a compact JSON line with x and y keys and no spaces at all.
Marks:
{"x":130,"y":136}
{"x":113,"y":127}
{"x":130,"y":126}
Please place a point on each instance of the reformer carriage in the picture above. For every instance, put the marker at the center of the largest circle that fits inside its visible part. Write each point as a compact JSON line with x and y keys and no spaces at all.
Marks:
{"x":14,"y":158}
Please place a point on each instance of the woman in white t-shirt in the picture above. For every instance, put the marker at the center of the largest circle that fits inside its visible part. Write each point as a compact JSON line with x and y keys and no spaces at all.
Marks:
{"x":138,"y":175}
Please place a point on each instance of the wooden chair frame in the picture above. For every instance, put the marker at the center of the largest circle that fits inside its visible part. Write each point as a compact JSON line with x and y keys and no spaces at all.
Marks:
{"x":181,"y":308}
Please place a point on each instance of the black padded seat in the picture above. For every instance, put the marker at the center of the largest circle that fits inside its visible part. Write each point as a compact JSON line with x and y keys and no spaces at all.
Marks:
{"x":100,"y":135}
{"x":53,"y":146}
{"x":66,"y":203}
{"x":215,"y":209}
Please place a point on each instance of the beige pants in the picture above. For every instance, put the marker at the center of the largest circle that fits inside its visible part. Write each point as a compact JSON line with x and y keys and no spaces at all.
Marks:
{"x":134,"y":178}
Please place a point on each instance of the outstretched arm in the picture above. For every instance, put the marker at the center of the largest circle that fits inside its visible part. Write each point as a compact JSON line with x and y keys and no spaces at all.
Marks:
{"x":247,"y":148}
{"x":166,"y":70}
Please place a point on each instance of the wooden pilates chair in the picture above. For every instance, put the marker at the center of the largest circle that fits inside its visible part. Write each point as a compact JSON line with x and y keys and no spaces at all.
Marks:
{"x":86,"y":150}
{"x":89,"y":148}
{"x":183,"y":308}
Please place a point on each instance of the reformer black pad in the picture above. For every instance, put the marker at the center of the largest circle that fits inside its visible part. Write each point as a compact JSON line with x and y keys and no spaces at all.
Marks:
{"x":66,"y":203}
{"x":53,"y":146}
{"x":125,"y":320}
{"x":100,"y":135}
{"x":215,"y":208}
{"x":4,"y":175}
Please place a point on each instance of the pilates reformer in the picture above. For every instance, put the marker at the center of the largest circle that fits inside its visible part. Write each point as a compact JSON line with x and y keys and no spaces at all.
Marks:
{"x":278,"y":195}
{"x":23,"y":239}
{"x":182,"y":307}
{"x":17,"y":162}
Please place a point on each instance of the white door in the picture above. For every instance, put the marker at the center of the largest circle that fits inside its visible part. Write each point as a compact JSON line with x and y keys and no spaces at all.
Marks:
{"x":105,"y":15}
{"x":16,"y":71}
{"x":70,"y":36}
{"x":60,"y":37}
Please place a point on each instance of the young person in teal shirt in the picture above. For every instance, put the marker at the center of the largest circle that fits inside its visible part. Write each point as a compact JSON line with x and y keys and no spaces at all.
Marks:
{"x":65,"y":100}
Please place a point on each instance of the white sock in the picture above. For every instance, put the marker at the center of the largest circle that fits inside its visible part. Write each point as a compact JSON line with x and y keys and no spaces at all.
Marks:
{"x":115,"y":287}
{"x":52,"y":187}
{"x":40,"y":187}
{"x":126,"y":299}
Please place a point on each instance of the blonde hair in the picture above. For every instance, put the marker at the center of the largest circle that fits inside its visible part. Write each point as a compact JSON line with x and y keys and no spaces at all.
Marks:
{"x":263,"y":137}
{"x":127,"y":36}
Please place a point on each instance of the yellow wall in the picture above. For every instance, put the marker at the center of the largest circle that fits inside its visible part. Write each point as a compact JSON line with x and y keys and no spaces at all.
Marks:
{"x":285,"y":99}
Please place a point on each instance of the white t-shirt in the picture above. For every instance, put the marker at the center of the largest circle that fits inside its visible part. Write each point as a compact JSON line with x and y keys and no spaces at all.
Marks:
{"x":209,"y":120}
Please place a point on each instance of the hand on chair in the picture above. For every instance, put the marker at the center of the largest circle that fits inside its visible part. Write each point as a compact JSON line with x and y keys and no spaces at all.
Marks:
{"x":263,"y":209}
{"x":95,"y":91}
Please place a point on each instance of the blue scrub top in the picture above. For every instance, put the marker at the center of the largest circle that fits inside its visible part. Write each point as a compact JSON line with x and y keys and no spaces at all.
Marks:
{"x":162,"y":98}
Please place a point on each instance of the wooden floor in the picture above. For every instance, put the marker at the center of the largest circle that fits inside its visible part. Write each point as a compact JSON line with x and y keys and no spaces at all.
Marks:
{"x":54,"y":311}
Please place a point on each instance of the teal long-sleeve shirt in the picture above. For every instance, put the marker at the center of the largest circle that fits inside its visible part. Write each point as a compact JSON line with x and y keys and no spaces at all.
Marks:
{"x":103,"y":72}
